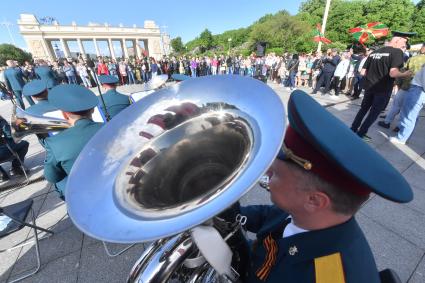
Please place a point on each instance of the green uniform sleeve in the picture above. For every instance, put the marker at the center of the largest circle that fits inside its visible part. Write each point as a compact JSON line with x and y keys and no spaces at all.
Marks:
{"x":53,"y":171}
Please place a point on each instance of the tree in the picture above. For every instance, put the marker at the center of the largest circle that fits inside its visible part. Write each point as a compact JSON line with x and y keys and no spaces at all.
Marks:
{"x":177,"y":44}
{"x":419,"y":22}
{"x":343,"y":16}
{"x":281,"y":30}
{"x":238,"y":36}
{"x":396,"y":14}
{"x":206,"y":39}
{"x":11,"y":52}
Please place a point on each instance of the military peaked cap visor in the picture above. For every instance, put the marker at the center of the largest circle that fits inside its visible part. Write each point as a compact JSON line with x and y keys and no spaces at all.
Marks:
{"x":403,"y":34}
{"x":34,"y":87}
{"x":108,"y":79}
{"x":324,"y":145}
{"x":72,"y":98}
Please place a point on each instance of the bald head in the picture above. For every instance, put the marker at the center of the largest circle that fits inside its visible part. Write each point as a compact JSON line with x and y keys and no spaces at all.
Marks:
{"x":398,"y":42}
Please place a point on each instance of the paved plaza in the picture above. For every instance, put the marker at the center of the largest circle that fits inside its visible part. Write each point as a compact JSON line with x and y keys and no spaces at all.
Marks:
{"x":396,"y":232}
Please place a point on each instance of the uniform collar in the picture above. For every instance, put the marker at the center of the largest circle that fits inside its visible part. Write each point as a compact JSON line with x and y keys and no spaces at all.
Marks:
{"x":313,"y":244}
{"x":111,"y":90}
{"x":83,"y":122}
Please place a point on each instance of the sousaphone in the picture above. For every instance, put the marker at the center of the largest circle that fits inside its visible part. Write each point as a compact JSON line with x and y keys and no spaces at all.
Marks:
{"x":176,"y":159}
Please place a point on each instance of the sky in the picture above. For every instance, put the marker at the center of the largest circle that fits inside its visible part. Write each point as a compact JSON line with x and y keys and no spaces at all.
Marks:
{"x":186,"y":18}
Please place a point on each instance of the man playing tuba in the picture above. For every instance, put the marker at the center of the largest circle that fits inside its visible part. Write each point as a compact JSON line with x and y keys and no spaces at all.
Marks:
{"x":319,"y":180}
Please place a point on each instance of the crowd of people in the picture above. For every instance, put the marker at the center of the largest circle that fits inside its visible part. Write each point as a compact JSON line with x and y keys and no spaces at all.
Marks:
{"x":315,"y":191}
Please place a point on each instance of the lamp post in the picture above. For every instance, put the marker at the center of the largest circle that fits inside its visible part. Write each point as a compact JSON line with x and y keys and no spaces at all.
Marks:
{"x":8,"y":25}
{"x":325,"y":18}
{"x":229,"y":40}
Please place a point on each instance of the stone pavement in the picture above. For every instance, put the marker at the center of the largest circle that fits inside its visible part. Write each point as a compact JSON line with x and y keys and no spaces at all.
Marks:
{"x":396,"y":232}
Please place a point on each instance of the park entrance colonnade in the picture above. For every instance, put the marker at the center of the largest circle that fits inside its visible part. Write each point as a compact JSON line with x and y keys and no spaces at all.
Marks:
{"x":42,"y":39}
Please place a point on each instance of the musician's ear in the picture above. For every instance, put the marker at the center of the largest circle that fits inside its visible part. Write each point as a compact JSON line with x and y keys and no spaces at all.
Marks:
{"x":317,"y":201}
{"x":65,"y":115}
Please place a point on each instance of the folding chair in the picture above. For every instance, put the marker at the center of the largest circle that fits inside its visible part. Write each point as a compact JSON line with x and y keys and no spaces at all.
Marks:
{"x":112,"y":254}
{"x":12,"y":219}
{"x":389,"y":276}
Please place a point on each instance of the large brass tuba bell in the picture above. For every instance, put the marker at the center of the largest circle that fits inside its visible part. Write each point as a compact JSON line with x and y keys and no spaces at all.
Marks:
{"x":175,"y":159}
{"x":23,"y":124}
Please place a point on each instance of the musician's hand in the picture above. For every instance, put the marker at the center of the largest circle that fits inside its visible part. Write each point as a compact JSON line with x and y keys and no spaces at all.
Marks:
{"x":408,"y":74}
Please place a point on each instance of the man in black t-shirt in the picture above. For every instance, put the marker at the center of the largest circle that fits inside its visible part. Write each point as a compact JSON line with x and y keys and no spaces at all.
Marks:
{"x":379,"y":71}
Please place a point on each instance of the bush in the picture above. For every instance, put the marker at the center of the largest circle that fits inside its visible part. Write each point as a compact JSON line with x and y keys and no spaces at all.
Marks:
{"x":11,"y":52}
{"x":277,"y":50}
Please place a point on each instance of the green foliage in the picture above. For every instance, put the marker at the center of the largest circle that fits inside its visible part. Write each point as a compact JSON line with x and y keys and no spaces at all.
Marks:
{"x":343,"y":16}
{"x":11,"y":52}
{"x":419,"y":22}
{"x":206,"y":39}
{"x":281,"y":30}
{"x":238,"y":36}
{"x":397,"y":14}
{"x":277,"y":50}
{"x":295,"y":32}
{"x":177,"y":44}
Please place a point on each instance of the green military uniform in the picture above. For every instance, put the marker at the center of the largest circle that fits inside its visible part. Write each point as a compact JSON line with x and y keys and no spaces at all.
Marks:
{"x":63,"y":149}
{"x":15,"y":82}
{"x":115,"y":102}
{"x":35,"y":88}
{"x":45,"y":73}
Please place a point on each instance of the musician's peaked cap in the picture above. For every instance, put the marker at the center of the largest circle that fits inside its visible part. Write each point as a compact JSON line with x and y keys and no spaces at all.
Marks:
{"x":34,"y":87}
{"x":338,"y":155}
{"x":403,"y":34}
{"x":72,"y":98}
{"x":108,"y":79}
{"x":179,"y":77}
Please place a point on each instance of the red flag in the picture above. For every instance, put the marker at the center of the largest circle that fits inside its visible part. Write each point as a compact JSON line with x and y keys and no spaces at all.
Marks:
{"x":318,"y":35}
{"x":372,"y":30}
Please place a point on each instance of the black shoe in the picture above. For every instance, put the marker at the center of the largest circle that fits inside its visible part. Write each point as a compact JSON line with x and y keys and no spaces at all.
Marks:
{"x":18,"y":171}
{"x":354,"y":97}
{"x":314,"y":92}
{"x":384,"y":125}
{"x":4,"y":178}
{"x":383,"y":116}
{"x":396,"y":129}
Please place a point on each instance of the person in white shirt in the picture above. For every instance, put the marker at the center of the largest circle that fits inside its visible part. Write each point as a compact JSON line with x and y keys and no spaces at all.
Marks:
{"x":341,"y":72}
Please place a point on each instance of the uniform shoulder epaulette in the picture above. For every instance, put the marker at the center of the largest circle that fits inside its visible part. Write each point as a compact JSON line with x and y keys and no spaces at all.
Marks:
{"x":329,"y":269}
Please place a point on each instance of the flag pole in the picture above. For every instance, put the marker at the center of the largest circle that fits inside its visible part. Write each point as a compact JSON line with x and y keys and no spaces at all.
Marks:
{"x":325,"y":19}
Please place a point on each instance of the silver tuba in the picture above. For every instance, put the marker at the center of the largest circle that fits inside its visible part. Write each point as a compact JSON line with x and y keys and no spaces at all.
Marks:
{"x":23,"y":124}
{"x":167,"y":169}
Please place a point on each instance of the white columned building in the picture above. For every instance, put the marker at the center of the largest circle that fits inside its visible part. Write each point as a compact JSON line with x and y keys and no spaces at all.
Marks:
{"x":39,"y":38}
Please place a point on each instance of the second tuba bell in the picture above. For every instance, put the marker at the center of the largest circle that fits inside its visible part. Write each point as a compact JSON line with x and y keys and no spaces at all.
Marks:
{"x":23,"y":124}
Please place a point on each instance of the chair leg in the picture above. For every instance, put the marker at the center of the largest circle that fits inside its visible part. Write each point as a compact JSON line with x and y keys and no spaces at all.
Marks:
{"x":109,"y":253}
{"x":37,"y":251}
{"x":29,"y":242}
